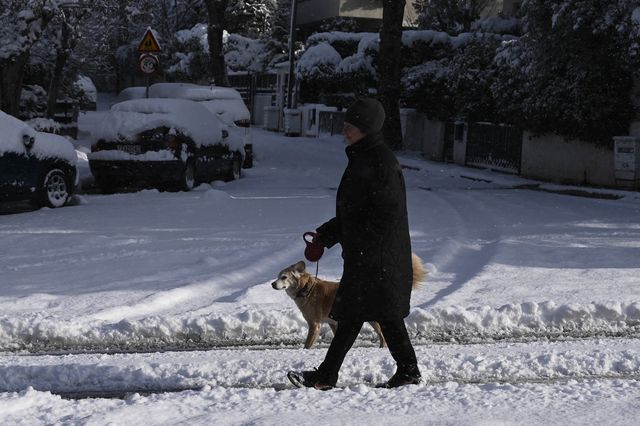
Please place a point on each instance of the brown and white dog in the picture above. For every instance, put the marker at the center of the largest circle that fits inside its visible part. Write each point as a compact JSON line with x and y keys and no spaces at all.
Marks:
{"x":314,"y":297}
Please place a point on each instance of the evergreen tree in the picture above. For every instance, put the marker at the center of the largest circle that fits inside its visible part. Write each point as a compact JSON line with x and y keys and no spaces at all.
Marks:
{"x":21,"y":25}
{"x":573,"y":69}
{"x":450,"y":16}
{"x":250,"y":18}
{"x":278,"y":38}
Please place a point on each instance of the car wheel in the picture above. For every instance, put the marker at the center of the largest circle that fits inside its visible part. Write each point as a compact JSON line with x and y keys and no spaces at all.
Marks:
{"x":236,"y":169}
{"x":54,"y":191}
{"x":188,"y":180}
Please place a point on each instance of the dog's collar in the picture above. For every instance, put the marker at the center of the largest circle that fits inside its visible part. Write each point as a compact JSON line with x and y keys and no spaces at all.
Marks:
{"x":305,"y":291}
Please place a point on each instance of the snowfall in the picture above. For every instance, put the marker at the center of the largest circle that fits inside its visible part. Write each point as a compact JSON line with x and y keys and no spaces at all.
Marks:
{"x":154,"y":307}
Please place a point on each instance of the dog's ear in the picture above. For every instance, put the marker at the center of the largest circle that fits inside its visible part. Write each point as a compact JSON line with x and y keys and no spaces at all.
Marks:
{"x":300,"y":267}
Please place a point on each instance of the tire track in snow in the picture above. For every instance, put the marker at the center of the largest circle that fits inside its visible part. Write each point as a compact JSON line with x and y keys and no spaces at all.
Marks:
{"x":280,"y":387}
{"x":469,"y":250}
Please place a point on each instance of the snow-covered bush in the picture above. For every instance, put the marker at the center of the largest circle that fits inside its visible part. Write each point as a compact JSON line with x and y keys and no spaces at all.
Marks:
{"x":190,"y":55}
{"x":319,"y":62}
{"x":337,"y":66}
{"x":455,"y":76}
{"x":244,"y":54}
{"x":572,"y":71}
{"x":33,"y":101}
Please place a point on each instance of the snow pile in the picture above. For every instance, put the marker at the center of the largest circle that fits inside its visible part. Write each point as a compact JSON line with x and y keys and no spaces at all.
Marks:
{"x":260,"y":326}
{"x":526,"y":320}
{"x":127,"y":119}
{"x":263,"y":369}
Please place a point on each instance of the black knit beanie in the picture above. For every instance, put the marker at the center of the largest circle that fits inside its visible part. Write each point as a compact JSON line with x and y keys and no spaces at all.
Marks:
{"x":367,"y":114}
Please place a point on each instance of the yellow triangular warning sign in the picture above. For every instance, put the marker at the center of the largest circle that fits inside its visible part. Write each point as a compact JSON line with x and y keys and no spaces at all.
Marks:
{"x":149,"y":43}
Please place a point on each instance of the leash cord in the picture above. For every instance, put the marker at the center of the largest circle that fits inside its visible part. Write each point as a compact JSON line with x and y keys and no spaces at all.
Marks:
{"x":317,"y":268}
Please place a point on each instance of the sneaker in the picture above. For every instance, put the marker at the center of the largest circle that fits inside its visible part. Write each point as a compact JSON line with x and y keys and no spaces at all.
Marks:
{"x":309,"y":379}
{"x":402,"y":378}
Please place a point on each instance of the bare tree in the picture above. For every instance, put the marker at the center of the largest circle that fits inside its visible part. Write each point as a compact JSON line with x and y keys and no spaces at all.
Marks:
{"x":389,"y":69}
{"x":216,"y":10}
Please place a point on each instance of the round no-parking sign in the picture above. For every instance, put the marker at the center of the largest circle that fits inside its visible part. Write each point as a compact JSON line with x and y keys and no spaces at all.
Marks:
{"x":148,"y":63}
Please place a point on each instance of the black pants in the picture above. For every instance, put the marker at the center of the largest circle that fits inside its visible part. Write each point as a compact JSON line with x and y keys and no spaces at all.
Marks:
{"x":395,"y":333}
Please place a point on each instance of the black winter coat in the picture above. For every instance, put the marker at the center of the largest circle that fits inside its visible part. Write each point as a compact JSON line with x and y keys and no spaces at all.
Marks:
{"x":371,"y":225}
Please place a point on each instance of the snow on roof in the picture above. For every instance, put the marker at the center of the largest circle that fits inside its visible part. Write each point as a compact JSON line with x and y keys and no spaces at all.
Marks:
{"x":129,"y":118}
{"x":47,"y":145}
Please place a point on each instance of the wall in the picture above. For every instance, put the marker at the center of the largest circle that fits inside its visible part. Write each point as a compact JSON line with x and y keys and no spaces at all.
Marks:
{"x":551,"y":158}
{"x":422,"y":134}
{"x":316,"y":10}
{"x":310,"y":11}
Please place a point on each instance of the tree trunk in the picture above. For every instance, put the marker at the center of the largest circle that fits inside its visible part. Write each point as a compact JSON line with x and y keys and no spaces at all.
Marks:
{"x":62,"y":55}
{"x":389,"y":70}
{"x":218,"y":68}
{"x":11,"y":73}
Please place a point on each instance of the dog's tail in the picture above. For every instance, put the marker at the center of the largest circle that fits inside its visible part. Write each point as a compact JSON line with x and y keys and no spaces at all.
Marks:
{"x":419,"y":271}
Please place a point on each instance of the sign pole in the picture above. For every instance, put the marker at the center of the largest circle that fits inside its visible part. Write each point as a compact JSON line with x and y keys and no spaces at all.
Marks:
{"x":292,"y":34}
{"x":149,"y":62}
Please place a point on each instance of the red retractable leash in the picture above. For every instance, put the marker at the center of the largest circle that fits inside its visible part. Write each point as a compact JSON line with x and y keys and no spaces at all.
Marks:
{"x":314,"y":250}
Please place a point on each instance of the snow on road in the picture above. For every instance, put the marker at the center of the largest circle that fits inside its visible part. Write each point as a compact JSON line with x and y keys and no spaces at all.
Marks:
{"x":513,"y":270}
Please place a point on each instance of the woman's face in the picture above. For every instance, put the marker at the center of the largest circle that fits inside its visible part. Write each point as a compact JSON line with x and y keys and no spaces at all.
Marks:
{"x":351,"y":133}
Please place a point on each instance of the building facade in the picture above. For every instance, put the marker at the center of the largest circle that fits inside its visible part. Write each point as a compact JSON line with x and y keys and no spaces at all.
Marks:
{"x":367,"y":14}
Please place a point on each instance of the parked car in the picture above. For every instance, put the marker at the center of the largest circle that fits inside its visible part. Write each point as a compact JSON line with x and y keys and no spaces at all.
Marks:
{"x":164,"y":143}
{"x":35,"y":166}
{"x":225,"y":102}
{"x":129,"y":93}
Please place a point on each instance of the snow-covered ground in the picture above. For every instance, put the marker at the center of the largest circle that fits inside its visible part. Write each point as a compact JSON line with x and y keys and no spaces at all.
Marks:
{"x":530,"y":313}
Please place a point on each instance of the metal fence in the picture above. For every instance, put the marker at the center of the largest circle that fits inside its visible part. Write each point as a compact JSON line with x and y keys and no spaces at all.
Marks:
{"x":252,"y":86}
{"x":331,"y":122}
{"x":496,"y":146}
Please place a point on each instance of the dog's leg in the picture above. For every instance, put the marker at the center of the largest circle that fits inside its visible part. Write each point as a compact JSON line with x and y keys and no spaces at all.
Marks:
{"x":312,"y":335}
{"x":378,"y":330}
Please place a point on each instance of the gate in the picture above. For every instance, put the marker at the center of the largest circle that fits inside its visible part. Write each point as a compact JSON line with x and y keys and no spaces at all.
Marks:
{"x":331,"y":122}
{"x":496,"y":146}
{"x":257,"y":91}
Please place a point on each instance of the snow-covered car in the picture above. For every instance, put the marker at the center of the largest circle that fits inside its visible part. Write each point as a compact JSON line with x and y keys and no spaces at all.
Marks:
{"x":166,"y":143}
{"x":225,"y":102}
{"x":129,"y":93}
{"x":35,"y":166}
